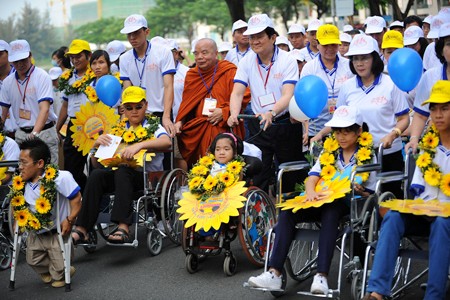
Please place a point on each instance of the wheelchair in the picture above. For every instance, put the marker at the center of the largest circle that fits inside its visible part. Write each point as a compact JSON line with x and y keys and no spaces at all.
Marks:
{"x":301,"y":261}
{"x":251,"y":226}
{"x":158,"y":202}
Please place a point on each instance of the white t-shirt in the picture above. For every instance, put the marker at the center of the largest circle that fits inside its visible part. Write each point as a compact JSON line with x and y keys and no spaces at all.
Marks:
{"x":379,"y":106}
{"x":74,"y":101}
{"x":67,"y":188}
{"x":423,"y":190}
{"x":235,"y":56}
{"x":178,"y":87}
{"x":251,"y":72}
{"x":308,"y":54}
{"x":114,"y":69}
{"x":148,"y":72}
{"x":11,"y":151}
{"x":333,"y":79}
{"x":10,"y":123}
{"x":217,"y":168}
{"x":430,"y":60}
{"x":429,"y":78}
{"x":38,"y":86}
{"x":343,"y":168}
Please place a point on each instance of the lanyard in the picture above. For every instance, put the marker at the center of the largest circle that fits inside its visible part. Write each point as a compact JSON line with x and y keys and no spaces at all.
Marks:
{"x":136,"y":59}
{"x":260,"y":64}
{"x":26,"y":85}
{"x":330,"y":72}
{"x":311,"y":54}
{"x":209,"y":88}
{"x":240,"y":54}
{"x":444,"y":71}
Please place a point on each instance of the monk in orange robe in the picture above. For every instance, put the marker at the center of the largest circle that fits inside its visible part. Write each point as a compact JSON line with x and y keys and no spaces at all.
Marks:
{"x":210,"y":79}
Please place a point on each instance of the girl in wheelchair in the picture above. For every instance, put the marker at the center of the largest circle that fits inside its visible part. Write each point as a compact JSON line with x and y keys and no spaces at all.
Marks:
{"x":431,"y":181}
{"x":349,"y":146}
{"x":125,"y":180}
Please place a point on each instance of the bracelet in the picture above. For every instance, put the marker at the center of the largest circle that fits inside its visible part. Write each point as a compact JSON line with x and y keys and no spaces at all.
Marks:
{"x":397,"y":131}
{"x":413,"y":137}
{"x":70,"y":222}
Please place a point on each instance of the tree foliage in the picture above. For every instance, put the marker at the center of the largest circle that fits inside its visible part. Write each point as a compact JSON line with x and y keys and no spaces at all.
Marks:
{"x":102,"y":31}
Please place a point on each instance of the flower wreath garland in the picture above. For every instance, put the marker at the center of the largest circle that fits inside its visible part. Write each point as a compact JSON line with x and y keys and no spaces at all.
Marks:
{"x":430,"y":170}
{"x":138,"y":134}
{"x":203,"y":185}
{"x":25,"y":217}
{"x":79,"y":86}
{"x":2,"y":142}
{"x":329,"y":157}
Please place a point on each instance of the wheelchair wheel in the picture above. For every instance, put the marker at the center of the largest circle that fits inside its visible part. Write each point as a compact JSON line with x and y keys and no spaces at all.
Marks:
{"x":5,"y":254}
{"x":356,"y":286}
{"x":191,"y":263}
{"x":229,"y":265}
{"x":277,"y":294}
{"x":302,"y":257}
{"x":257,"y":217}
{"x":170,"y":194}
{"x":92,"y":237}
{"x":154,"y":242}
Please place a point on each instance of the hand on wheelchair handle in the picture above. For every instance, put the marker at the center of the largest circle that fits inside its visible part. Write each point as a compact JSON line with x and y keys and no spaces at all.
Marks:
{"x":233,"y":121}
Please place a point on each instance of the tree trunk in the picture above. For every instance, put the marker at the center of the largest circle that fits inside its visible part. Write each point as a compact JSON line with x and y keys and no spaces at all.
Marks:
{"x":398,"y":14}
{"x":374,"y":7}
{"x":236,"y":8}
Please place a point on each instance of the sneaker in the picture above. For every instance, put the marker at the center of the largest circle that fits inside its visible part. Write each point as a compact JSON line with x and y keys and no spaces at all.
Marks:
{"x":161,"y":228}
{"x":266,"y":280}
{"x":319,"y":285}
{"x":62,"y":283}
{"x":46,"y":277}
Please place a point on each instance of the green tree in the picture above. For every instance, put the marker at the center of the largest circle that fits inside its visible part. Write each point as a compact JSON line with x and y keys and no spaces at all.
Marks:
{"x":102,"y":31}
{"x":284,"y":9}
{"x":8,"y":31}
{"x":216,"y":15}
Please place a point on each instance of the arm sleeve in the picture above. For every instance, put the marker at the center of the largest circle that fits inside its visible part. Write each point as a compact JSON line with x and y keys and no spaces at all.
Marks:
{"x":45,"y":89}
{"x":291,"y":71}
{"x":66,"y":185}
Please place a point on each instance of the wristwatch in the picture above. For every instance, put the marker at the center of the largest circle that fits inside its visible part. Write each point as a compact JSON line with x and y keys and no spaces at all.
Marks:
{"x":273,"y":113}
{"x":35,"y":133}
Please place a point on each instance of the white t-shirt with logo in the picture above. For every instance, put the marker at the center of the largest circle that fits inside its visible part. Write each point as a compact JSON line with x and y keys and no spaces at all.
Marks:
{"x":235,"y":56}
{"x":423,"y":89}
{"x":430,"y":60}
{"x":308,"y":54}
{"x":74,"y":101}
{"x":178,"y":87}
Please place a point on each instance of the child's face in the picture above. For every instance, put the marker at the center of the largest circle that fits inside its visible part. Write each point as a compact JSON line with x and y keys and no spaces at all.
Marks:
{"x":223,"y":151}
{"x":28,"y":168}
{"x":346,"y":139}
{"x":135,"y":112}
{"x":440,"y":115}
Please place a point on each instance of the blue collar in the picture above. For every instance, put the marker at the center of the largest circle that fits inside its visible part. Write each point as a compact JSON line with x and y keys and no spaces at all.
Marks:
{"x":329,"y":72}
{"x":274,"y":57}
{"x":149,"y":46}
{"x":369,"y":88}
{"x":30,"y":70}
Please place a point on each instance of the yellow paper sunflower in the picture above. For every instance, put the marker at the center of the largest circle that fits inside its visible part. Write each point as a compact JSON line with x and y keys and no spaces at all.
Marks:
{"x":445,"y":185}
{"x":330,"y":145}
{"x":21,"y":217}
{"x":18,"y":183}
{"x":18,"y":201}
{"x":210,"y":183}
{"x":430,"y":140}
{"x":327,"y":159}
{"x":50,"y":173}
{"x":431,"y":208}
{"x":432,"y":177}
{"x":363,"y":154}
{"x":43,"y":205}
{"x":424,"y":160}
{"x":328,"y":172}
{"x":213,"y":211}
{"x":90,"y":122}
{"x":234,"y":167}
{"x":365,"y":139}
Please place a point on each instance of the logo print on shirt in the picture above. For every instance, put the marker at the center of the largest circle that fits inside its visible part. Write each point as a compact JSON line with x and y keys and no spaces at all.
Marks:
{"x":381,"y":100}
{"x":278,"y":76}
{"x":152,"y":67}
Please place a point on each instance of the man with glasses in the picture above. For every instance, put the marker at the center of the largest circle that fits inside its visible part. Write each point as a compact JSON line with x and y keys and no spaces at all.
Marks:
{"x":28,"y":96}
{"x":150,"y":67}
{"x":74,"y":160}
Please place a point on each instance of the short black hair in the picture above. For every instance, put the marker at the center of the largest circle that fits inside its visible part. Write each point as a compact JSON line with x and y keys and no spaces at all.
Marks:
{"x":38,"y":149}
{"x":412,"y":19}
{"x":439,"y":47}
{"x":238,"y":145}
{"x":423,"y":46}
{"x":99,"y":53}
{"x":60,"y":54}
{"x":270,"y":31}
{"x":377,"y":64}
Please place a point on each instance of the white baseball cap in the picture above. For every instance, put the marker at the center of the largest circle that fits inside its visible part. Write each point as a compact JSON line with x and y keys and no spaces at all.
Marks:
{"x":20,"y":49}
{"x":4,"y":46}
{"x":159,"y":40}
{"x":173,"y":44}
{"x":296,"y":28}
{"x":114,"y":49}
{"x":375,"y":24}
{"x":444,"y":30}
{"x":412,"y":35}
{"x":224,"y":46}
{"x":281,"y":40}
{"x":436,"y":23}
{"x":133,"y":23}
{"x":345,"y":37}
{"x":347,"y":28}
{"x":297,"y":54}
{"x":428,"y":19}
{"x":313,"y":25}
{"x":193,"y":43}
{"x":362,"y":44}
{"x":238,"y":25}
{"x":55,"y":72}
{"x":345,"y":116}
{"x":258,"y":23}
{"x":396,"y":23}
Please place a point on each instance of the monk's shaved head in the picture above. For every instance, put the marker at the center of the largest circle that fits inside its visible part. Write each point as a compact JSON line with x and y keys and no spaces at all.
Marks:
{"x":205,"y":53}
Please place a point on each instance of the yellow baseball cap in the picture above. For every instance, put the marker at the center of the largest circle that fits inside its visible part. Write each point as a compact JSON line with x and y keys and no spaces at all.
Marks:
{"x":77,"y":46}
{"x":328,"y":34}
{"x":440,"y":93}
{"x":133,"y":94}
{"x":392,"y":39}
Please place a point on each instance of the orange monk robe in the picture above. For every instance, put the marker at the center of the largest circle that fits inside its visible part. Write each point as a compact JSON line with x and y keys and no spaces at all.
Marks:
{"x":197,"y":133}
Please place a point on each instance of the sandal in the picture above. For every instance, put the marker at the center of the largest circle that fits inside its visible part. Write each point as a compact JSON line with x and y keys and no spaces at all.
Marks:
{"x":122,"y":234}
{"x":82,"y":238}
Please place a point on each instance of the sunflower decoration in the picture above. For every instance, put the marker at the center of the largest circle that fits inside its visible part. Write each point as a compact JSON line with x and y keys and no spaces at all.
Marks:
{"x":78,"y":86}
{"x":211,"y":212}
{"x":37,"y":217}
{"x":91,"y":94}
{"x":431,"y":208}
{"x":333,"y":189}
{"x":4,"y":169}
{"x":430,"y":170}
{"x":330,"y":155}
{"x":90,"y":122}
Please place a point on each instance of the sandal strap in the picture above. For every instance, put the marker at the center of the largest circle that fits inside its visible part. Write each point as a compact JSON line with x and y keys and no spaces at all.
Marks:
{"x":81,"y":235}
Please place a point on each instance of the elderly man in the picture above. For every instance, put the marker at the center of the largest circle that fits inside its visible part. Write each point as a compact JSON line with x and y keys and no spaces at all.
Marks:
{"x":204,"y":109}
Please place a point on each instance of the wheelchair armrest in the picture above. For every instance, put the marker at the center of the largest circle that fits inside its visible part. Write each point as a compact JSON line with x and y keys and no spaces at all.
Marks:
{"x":9,"y":163}
{"x":368,"y":168}
{"x":391,"y":176}
{"x":294,"y":166}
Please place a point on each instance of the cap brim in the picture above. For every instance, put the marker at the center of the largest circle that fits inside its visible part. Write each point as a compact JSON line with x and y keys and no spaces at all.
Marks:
{"x":130,"y":29}
{"x":54,"y":77}
{"x":295,"y":31}
{"x":330,"y":42}
{"x":339,"y":123}
{"x":255,"y":30}
{"x":132,"y":100}
{"x":114,"y":57}
{"x":312,"y":29}
{"x":371,"y":30}
{"x":239,"y":27}
{"x":360,"y":52}
{"x":438,"y":100}
{"x":18,"y":56}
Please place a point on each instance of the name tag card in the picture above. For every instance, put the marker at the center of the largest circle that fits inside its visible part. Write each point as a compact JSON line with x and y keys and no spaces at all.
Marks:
{"x":24,"y":114}
{"x":331,"y":105}
{"x":267,"y":99}
{"x":210,"y":103}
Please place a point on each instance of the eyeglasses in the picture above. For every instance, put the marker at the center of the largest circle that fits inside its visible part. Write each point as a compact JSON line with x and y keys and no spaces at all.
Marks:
{"x":137,"y":107}
{"x":364,"y":59}
{"x":26,"y":163}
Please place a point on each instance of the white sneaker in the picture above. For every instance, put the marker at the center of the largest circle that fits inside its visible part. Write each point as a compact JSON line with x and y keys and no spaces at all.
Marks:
{"x":160,"y":226}
{"x":319,"y":285}
{"x":266,"y":280}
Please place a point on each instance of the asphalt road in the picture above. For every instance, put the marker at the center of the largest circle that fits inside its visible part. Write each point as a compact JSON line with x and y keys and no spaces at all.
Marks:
{"x":127,"y":273}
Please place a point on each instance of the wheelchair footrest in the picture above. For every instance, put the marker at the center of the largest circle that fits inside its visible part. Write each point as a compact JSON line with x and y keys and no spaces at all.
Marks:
{"x":332,"y":294}
{"x":134,"y":244}
{"x":246,"y":285}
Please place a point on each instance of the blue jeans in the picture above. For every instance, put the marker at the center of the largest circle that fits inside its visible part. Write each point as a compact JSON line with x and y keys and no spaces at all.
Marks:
{"x":396,"y":225}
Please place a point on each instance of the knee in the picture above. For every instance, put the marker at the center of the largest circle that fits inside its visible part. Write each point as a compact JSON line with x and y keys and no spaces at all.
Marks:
{"x":442,"y":225}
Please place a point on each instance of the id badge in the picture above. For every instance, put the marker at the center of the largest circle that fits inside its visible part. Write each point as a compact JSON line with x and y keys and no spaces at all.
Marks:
{"x":332,"y":105}
{"x":267,"y":99}
{"x":24,"y":114}
{"x":210,"y":103}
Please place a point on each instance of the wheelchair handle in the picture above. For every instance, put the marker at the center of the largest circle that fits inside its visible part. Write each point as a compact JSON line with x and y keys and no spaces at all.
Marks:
{"x":368,"y":168}
{"x":9,"y":163}
{"x":294,"y":166}
{"x":248,"y":117}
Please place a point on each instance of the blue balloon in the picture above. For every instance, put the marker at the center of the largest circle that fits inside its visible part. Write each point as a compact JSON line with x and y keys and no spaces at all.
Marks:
{"x":405,"y":68}
{"x":108,"y":89}
{"x":311,"y":95}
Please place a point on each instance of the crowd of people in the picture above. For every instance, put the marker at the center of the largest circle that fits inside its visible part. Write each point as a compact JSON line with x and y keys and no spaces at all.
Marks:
{"x":188,"y":105}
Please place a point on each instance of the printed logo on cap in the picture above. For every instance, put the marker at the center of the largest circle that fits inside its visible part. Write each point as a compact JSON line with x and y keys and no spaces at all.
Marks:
{"x":360,"y":41}
{"x":341,"y":113}
{"x":131,"y":20}
{"x":409,"y":33}
{"x":17,"y":47}
{"x":446,"y":26}
{"x":437,"y":22}
{"x":314,"y":22}
{"x":255,"y":21}
{"x":374,"y":22}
